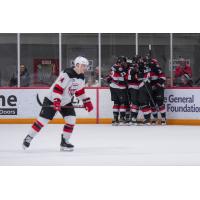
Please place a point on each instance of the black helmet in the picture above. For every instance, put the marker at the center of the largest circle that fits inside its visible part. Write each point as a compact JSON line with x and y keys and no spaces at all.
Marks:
{"x":136,"y":58}
{"x":121,"y":60}
{"x":145,"y":59}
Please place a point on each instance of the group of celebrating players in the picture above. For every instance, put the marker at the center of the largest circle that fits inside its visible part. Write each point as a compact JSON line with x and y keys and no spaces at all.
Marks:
{"x":137,"y":84}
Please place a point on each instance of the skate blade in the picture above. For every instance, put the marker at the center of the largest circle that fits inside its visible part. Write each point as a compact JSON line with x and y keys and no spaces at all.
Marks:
{"x":127,"y":124}
{"x":163,"y":124}
{"x":122,"y":124}
{"x":140,"y":124}
{"x":24,"y":147}
{"x":115,"y":124}
{"x":154,"y":124}
{"x":133,"y":124}
{"x":147,"y":124}
{"x":65,"y":149}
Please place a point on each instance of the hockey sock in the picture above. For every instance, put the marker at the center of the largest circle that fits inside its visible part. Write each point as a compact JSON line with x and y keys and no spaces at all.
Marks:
{"x":122,"y":110}
{"x":163,"y":116}
{"x":154,"y":113}
{"x":37,"y":126}
{"x":134,"y":111}
{"x":146,"y":111}
{"x":147,"y":116}
{"x":67,"y":131}
{"x":115,"y":111}
{"x":128,"y":113}
{"x":134,"y":115}
{"x":162,"y":111}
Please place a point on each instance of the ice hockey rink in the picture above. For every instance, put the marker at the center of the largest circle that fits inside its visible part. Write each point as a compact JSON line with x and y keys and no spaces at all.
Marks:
{"x":103,"y":145}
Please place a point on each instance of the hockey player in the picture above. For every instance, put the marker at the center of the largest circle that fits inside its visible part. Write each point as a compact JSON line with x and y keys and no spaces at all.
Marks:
{"x":69,"y":83}
{"x":133,"y":89}
{"x":144,"y":94}
{"x":118,"y":90}
{"x":157,"y":84}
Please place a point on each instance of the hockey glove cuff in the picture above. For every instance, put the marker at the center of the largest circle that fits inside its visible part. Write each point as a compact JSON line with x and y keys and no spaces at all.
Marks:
{"x":57,"y":104}
{"x":108,"y":80}
{"x":158,"y":85}
{"x":88,"y":104}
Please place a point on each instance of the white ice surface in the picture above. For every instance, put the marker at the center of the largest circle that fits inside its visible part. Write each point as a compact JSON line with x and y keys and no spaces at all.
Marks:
{"x":103,"y":145}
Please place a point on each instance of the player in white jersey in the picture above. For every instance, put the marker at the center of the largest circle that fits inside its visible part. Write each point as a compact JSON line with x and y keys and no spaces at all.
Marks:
{"x":69,"y":83}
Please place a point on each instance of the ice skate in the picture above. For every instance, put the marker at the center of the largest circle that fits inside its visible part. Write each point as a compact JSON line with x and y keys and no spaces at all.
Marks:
{"x":65,"y":145}
{"x":147,"y":122}
{"x":163,"y":122}
{"x":26,"y":142}
{"x":154,"y":122}
{"x":127,"y":122}
{"x":133,"y":121}
{"x":122,"y":121}
{"x":115,"y":122}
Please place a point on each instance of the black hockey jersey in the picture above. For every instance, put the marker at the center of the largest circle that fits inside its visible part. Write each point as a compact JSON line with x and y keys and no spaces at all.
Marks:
{"x":157,"y":76}
{"x":132,"y":78}
{"x":117,"y":75}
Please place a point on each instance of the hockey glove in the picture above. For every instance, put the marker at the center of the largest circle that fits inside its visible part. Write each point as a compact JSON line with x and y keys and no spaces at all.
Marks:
{"x":88,"y":104}
{"x":158,"y":85}
{"x":57,"y":104}
{"x":108,"y":79}
{"x":123,"y":74}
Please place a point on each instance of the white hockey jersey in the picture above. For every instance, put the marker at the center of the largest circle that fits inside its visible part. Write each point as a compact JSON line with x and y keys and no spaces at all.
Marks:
{"x":68,"y":84}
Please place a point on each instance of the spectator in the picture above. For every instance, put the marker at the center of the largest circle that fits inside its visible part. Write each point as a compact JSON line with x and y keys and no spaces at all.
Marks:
{"x":24,"y":77}
{"x":0,"y":79}
{"x":183,"y":74}
{"x":91,"y":82}
{"x":93,"y":78}
{"x":96,"y":75}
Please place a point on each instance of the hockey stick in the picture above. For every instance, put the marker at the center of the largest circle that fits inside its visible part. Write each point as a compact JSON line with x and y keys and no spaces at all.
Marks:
{"x":51,"y":106}
{"x":150,"y":51}
{"x":149,"y":93}
{"x":151,"y":98}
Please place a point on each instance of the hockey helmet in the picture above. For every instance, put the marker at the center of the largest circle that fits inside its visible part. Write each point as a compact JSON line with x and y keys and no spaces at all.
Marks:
{"x":121,"y":60}
{"x":81,"y":60}
{"x":154,"y":61}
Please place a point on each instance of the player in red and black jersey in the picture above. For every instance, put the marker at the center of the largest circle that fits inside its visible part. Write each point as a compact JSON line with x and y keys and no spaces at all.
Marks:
{"x":118,"y":89}
{"x":133,"y":89}
{"x":157,"y":85}
{"x":144,"y":96}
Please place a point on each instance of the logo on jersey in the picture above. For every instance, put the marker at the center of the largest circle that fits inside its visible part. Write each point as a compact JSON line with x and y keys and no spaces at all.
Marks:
{"x":73,"y":88}
{"x":61,"y":80}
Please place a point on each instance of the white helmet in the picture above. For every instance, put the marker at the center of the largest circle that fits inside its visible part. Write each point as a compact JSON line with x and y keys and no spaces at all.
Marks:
{"x":81,"y":60}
